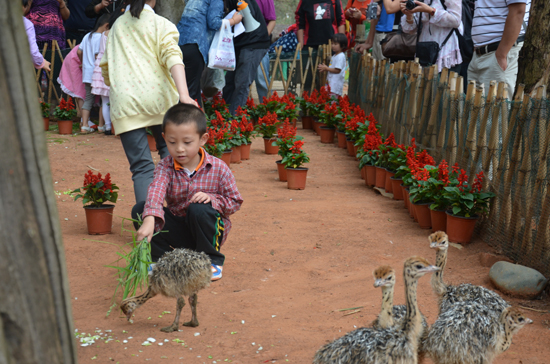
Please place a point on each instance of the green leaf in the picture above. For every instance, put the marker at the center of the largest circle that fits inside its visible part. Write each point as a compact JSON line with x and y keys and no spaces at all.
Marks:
{"x":468,"y":196}
{"x":469,"y":204}
{"x":456,"y":210}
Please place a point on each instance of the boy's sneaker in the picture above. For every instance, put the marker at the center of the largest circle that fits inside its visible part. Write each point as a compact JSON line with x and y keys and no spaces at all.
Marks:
{"x":150,"y":268}
{"x":216,"y":272}
{"x":108,"y":132}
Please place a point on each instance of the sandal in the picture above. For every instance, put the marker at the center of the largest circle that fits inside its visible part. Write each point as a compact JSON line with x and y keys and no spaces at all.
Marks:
{"x":216,"y":272}
{"x":86,"y":130}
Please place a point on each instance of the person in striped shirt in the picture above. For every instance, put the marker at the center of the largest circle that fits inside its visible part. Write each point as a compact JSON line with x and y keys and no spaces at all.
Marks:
{"x":199,"y":189}
{"x":498,"y":32}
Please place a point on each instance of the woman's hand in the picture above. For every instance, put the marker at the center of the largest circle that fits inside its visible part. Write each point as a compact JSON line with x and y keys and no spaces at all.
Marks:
{"x":188,"y":100}
{"x":420,"y":8}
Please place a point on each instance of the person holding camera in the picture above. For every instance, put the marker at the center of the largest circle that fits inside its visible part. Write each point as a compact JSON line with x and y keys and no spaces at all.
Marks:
{"x":97,"y":8}
{"x":379,"y":28}
{"x":435,"y":24}
{"x":355,"y":14}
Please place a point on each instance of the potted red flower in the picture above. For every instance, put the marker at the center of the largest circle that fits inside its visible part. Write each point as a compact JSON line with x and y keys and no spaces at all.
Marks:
{"x":286,"y":136}
{"x":246,"y":128}
{"x":45,"y":108}
{"x":95,"y":193}
{"x":267,"y":128}
{"x":65,"y":112}
{"x":293,"y":161}
{"x":466,"y":204}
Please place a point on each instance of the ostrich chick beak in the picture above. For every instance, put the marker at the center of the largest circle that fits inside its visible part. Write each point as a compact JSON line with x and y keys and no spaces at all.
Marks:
{"x":528,"y":320}
{"x":378,"y":283}
{"x":430,"y":268}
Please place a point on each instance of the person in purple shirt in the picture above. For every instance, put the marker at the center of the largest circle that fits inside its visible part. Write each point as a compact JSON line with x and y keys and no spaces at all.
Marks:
{"x":267,"y":7}
{"x":37,"y":58}
{"x":47,"y":17}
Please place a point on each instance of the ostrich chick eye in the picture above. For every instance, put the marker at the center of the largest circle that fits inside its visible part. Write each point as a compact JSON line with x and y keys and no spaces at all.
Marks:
{"x":418,"y":266}
{"x":521,"y":319}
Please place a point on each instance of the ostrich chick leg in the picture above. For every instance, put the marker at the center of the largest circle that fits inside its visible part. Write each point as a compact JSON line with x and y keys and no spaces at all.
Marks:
{"x":193,"y":303}
{"x":175,"y":324}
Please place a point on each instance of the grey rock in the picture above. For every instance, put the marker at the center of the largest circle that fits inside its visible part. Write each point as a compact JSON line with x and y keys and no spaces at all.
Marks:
{"x":517,"y":280}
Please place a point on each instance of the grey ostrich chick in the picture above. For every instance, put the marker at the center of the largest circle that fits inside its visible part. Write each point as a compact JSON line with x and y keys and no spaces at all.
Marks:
{"x":391,"y":315}
{"x":179,"y":273}
{"x":449,"y":294}
{"x":470,"y":333}
{"x":393,"y":345}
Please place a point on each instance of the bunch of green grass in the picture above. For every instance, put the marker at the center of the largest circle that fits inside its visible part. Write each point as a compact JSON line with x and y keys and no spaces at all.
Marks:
{"x":134,"y":273}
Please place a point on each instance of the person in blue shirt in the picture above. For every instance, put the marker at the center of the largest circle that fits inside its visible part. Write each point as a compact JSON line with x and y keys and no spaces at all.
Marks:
{"x":199,"y":22}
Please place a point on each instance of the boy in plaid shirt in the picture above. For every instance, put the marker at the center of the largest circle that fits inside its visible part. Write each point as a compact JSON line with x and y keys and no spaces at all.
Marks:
{"x":199,"y":190}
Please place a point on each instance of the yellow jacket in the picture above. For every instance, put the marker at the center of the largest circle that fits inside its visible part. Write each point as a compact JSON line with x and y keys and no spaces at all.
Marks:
{"x":136,"y":64}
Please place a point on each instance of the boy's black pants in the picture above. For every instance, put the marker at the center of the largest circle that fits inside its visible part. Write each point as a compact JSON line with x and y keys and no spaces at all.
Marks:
{"x":200,"y":230}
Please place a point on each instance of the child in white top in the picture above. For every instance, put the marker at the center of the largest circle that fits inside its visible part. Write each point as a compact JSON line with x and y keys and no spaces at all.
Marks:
{"x":337,"y":67}
{"x":89,"y":48}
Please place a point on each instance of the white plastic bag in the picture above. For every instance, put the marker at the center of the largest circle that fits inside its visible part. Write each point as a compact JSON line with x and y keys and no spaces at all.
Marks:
{"x":222,"y":51}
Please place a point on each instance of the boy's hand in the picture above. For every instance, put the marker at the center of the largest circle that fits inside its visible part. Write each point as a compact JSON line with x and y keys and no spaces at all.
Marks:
{"x":322,"y":67}
{"x":147,"y":229}
{"x":200,"y":197}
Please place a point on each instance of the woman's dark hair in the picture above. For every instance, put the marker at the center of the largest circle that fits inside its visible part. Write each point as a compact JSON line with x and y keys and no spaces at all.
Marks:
{"x":26,"y":3}
{"x":136,"y":7}
{"x":115,"y":15}
{"x":340,"y":39}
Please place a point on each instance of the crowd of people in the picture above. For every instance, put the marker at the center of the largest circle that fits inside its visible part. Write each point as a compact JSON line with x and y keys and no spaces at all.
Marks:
{"x":139,"y":65}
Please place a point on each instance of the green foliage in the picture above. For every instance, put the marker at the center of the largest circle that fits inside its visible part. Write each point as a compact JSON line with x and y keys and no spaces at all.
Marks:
{"x":45,"y":108}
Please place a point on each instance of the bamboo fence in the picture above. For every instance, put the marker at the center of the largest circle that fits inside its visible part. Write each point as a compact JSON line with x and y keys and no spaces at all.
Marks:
{"x":482,"y":130}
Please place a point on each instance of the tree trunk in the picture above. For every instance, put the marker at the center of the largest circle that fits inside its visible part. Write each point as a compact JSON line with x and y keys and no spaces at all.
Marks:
{"x":170,"y":9}
{"x":35,"y":309}
{"x":534,"y":60}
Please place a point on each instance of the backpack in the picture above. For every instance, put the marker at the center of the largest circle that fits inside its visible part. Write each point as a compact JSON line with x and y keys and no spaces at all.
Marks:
{"x":465,"y":40}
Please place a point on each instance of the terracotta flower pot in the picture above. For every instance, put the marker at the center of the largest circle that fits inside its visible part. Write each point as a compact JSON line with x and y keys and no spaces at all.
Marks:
{"x":341,"y":139}
{"x":282,"y":171}
{"x":236,"y":155}
{"x":397,"y":190}
{"x":99,"y":219}
{"x":226,"y":157}
{"x":364,"y":173}
{"x":269,"y":148}
{"x":389,"y":186}
{"x":65,"y":126}
{"x":47,"y":124}
{"x":307,"y":122}
{"x":152,"y":143}
{"x":413,"y":208}
{"x":245,"y":151}
{"x":380,"y":177}
{"x":371,"y":175}
{"x":355,"y":149}
{"x":293,"y":122}
{"x":423,"y":215}
{"x":460,"y":229}
{"x":349,"y":145}
{"x":296,"y":178}
{"x":407,"y":198}
{"x":327,"y":134}
{"x":439,"y":220}
{"x":317,"y":125}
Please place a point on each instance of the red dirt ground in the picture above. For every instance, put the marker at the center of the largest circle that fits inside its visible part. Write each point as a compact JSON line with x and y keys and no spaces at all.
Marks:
{"x":293,"y":259}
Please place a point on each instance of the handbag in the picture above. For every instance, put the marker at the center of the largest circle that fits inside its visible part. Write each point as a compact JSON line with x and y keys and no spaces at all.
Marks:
{"x":428,"y":52}
{"x":222,"y":51}
{"x":398,"y":45}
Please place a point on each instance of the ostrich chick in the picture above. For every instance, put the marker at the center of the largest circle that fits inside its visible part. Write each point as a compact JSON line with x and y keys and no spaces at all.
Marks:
{"x":449,"y":294}
{"x":384,"y":345}
{"x":181,"y":272}
{"x":468,"y":333}
{"x":390,"y":315}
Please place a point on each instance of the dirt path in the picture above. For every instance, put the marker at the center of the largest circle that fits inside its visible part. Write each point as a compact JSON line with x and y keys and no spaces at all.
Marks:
{"x":292,"y":260}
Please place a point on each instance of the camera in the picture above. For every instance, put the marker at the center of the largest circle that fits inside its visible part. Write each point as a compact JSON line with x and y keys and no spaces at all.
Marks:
{"x":410,"y":4}
{"x":372,"y":11}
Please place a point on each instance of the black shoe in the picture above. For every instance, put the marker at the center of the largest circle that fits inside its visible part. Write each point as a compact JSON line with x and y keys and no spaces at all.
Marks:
{"x":108,"y":132}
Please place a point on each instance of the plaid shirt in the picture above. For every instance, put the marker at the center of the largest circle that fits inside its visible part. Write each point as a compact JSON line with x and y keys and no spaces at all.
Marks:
{"x":172,"y":184}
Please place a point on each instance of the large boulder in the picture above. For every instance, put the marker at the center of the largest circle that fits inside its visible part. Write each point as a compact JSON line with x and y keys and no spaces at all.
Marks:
{"x":517,"y":280}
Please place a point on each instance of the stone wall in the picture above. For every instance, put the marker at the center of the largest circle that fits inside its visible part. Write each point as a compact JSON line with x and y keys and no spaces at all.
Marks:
{"x":170,"y":9}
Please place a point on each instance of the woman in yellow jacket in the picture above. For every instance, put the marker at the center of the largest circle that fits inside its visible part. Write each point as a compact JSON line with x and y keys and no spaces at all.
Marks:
{"x":143,"y":66}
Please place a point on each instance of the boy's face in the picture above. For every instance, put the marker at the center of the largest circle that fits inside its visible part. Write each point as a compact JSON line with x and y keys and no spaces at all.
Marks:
{"x":183,"y":142}
{"x":335,"y":47}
